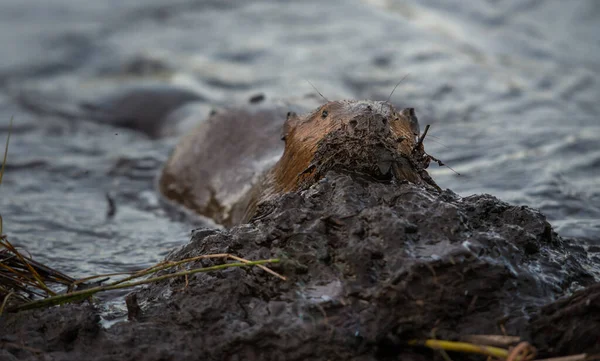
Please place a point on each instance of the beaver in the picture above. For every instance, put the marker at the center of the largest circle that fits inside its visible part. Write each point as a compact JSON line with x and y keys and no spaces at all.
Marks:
{"x":235,"y":160}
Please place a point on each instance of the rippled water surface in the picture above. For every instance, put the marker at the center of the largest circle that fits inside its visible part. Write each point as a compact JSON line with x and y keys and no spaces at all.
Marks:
{"x":510,"y":88}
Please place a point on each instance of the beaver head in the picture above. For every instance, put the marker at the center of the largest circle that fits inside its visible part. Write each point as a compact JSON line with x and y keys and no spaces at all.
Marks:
{"x":366,"y":137}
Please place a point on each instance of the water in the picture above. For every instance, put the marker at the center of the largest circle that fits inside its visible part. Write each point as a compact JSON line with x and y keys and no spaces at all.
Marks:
{"x":510,"y":88}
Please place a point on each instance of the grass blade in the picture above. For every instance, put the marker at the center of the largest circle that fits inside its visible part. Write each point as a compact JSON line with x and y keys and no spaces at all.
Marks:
{"x":4,"y":161}
{"x":6,"y":152}
{"x":84,"y":294}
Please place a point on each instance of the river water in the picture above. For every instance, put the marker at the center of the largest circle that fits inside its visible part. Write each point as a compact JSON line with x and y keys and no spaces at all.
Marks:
{"x":511,"y":89}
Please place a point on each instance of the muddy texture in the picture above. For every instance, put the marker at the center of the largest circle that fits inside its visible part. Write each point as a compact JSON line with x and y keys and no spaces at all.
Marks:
{"x":60,"y":329}
{"x":364,"y":137}
{"x":512,"y":99}
{"x":370,"y":265}
{"x":570,"y":325}
{"x":252,"y":164}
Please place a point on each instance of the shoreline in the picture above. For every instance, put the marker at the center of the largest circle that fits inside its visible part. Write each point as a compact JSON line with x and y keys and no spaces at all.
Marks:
{"x":365,"y":276}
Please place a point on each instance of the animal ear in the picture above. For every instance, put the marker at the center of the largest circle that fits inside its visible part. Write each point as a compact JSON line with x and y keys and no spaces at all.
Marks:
{"x":290,"y":123}
{"x":411,"y":116}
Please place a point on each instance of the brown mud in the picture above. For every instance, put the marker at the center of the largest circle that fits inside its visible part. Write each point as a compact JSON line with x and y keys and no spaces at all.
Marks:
{"x":370,"y":265}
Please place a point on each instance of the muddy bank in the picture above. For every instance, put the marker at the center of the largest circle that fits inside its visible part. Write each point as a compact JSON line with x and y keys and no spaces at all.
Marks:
{"x":512,"y":99}
{"x":369,"y":265}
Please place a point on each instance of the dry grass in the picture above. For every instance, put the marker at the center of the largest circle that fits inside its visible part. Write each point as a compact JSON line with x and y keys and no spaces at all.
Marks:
{"x":4,"y":162}
{"x":22,"y":279}
{"x":138,"y":278}
{"x":26,"y":283}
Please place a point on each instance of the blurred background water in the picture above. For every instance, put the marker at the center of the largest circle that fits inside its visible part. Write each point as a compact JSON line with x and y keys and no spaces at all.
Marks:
{"x":510,"y":88}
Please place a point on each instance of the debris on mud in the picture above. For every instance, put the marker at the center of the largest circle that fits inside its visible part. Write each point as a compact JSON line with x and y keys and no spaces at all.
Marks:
{"x":370,"y":267}
{"x":22,"y":279}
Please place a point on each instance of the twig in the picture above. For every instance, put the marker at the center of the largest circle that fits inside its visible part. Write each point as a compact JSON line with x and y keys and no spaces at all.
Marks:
{"x":522,"y":352}
{"x":5,"y":154}
{"x":34,"y":273}
{"x":86,"y":279}
{"x":4,"y":160}
{"x":52,"y":274}
{"x":422,"y":137}
{"x":167,"y":264}
{"x":443,"y":352}
{"x":259,"y":266}
{"x":5,"y":302}
{"x":79,"y":295}
{"x":440,"y":163}
{"x":171,"y":264}
{"x":492,"y":340}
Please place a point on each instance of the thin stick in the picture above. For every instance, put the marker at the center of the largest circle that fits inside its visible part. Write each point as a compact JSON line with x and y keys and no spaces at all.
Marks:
{"x":169,"y":264}
{"x":522,"y":352}
{"x":461,"y":347}
{"x":5,"y":290}
{"x":53,"y":275}
{"x":5,"y":153}
{"x":81,"y":295}
{"x":422,"y":137}
{"x":4,"y":161}
{"x":20,"y":283}
{"x":442,"y":164}
{"x":447,"y":166}
{"x":5,"y":302}
{"x":82,"y":280}
{"x":259,"y":266}
{"x":25,"y":279}
{"x":442,"y":352}
{"x":36,"y":276}
{"x":14,"y":271}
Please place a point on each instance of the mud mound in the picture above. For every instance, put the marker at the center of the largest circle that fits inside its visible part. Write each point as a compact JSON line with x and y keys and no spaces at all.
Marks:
{"x":570,"y":325}
{"x":369,"y":266}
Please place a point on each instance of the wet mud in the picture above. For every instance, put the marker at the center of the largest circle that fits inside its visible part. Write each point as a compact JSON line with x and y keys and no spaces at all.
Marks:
{"x":512,"y":99}
{"x":370,"y":265}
